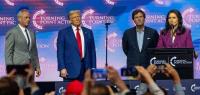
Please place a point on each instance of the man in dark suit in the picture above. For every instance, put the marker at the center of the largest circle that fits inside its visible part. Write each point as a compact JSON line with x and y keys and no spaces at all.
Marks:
{"x":75,"y":49}
{"x":137,"y":39}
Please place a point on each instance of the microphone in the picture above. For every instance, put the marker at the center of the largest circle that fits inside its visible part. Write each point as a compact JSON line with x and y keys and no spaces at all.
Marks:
{"x":172,"y":26}
{"x":172,"y":30}
{"x":107,"y":23}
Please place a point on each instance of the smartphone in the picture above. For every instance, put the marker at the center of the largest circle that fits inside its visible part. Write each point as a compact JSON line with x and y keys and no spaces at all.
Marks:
{"x":161,"y":68}
{"x":129,"y":72}
{"x":20,"y":69}
{"x":98,"y":73}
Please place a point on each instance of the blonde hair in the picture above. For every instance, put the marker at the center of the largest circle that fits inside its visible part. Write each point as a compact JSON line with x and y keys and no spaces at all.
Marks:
{"x":73,"y":11}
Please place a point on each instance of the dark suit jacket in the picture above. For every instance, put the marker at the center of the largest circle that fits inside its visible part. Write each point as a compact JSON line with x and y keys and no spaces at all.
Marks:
{"x":131,"y":49}
{"x":68,"y":53}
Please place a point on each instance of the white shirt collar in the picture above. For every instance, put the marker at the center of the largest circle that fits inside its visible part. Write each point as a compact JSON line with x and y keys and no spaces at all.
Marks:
{"x":74,"y":27}
{"x":21,"y":27}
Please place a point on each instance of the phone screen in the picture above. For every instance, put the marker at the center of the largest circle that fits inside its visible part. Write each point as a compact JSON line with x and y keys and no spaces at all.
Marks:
{"x":129,"y":72}
{"x":99,"y":73}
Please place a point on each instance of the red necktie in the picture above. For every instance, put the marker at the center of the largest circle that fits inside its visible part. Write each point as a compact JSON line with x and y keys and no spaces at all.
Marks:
{"x":78,"y":39}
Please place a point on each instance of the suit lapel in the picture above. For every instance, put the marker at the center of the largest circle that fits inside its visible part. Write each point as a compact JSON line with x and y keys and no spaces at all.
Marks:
{"x":145,"y":39}
{"x":135,"y":39}
{"x":85,"y":38}
{"x":21,"y":35}
{"x":72,"y":36}
{"x":31,"y":37}
{"x":176,"y":38}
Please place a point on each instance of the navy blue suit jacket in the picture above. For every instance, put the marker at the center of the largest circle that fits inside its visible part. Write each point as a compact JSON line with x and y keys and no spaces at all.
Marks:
{"x":131,"y":48}
{"x":68,"y":53}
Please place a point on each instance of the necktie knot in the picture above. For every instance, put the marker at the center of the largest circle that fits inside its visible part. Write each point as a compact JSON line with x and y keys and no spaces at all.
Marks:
{"x":77,"y":29}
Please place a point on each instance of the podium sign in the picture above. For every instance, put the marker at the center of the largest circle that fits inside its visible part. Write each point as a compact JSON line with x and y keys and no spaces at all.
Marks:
{"x":180,"y":58}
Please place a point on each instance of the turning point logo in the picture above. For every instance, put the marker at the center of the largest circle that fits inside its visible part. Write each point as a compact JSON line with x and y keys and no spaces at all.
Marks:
{"x":40,"y":19}
{"x":61,"y":90}
{"x":89,"y":18}
{"x":59,"y":2}
{"x":113,"y":41}
{"x":7,"y":20}
{"x":110,"y":2}
{"x":171,"y":61}
{"x":194,"y":87}
{"x":10,"y":3}
{"x":187,"y":17}
{"x":154,"y":60}
{"x":162,"y":2}
{"x":35,"y":15}
{"x":85,"y":14}
{"x":174,"y":60}
{"x":136,"y":87}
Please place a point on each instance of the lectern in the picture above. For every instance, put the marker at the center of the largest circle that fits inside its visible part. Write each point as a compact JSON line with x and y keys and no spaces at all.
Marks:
{"x":180,"y":58}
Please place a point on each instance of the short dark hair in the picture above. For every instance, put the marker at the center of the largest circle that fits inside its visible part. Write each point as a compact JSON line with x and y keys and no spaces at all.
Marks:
{"x":8,"y":86}
{"x":138,"y":11}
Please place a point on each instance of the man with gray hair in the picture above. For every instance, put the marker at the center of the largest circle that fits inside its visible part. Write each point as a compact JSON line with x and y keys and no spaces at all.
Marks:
{"x":75,"y":49}
{"x":20,"y":46}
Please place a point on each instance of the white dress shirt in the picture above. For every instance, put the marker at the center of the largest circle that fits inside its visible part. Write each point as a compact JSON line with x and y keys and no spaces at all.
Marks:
{"x":23,"y":31}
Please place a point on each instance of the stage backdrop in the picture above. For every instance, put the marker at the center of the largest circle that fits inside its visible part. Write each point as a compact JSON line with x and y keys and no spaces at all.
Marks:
{"x":49,"y":16}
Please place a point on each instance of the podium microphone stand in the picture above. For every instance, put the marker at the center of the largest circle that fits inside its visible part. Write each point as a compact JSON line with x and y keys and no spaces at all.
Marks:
{"x":106,"y":25}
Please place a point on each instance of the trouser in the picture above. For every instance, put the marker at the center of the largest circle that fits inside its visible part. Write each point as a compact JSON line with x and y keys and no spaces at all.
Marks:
{"x":80,"y":77}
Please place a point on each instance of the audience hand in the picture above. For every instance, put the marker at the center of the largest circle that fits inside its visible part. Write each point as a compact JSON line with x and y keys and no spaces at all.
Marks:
{"x":113,"y":74}
{"x":88,"y":83}
{"x":170,"y":71}
{"x":144,"y":74}
{"x":12,"y":74}
{"x":152,"y":69}
{"x":114,"y":77}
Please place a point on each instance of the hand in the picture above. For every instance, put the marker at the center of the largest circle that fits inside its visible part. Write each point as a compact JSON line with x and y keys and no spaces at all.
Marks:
{"x":170,"y":71}
{"x":152,"y":69}
{"x":12,"y":73}
{"x":29,"y":71}
{"x":144,"y":74}
{"x":38,"y":72}
{"x":113,"y":74}
{"x":110,"y":90}
{"x":63,"y":73}
{"x":30,"y":74}
{"x":88,"y":83}
{"x":116,"y":79}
